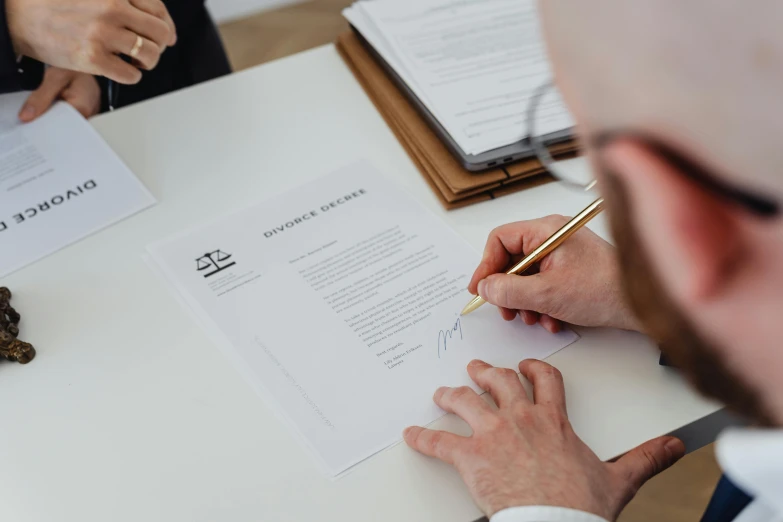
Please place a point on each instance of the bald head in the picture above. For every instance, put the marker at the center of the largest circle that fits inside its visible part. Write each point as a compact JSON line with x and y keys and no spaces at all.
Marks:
{"x":704,"y":77}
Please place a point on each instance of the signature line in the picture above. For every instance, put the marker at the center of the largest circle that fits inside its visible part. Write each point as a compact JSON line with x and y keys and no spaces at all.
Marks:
{"x":445,"y":335}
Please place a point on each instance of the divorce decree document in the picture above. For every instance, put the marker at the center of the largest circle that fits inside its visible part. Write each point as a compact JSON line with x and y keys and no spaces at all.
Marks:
{"x":339,"y":301}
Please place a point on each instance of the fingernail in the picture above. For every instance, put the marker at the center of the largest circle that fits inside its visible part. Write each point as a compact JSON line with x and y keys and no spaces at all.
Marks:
{"x":477,"y":362}
{"x":28,"y":113}
{"x":673,"y":446}
{"x":406,"y":431}
{"x":482,"y":289}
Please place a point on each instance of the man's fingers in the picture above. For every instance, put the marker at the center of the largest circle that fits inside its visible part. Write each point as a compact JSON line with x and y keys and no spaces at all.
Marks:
{"x":502,"y":243}
{"x":548,"y":387}
{"x":495,"y":259}
{"x":644,"y":462}
{"x":158,"y":9}
{"x":530,"y":318}
{"x":552,"y":325}
{"x":513,"y":239}
{"x":148,"y":55}
{"x":502,"y":383}
{"x":439,"y":444}
{"x":465,"y":403}
{"x":532,"y":292}
{"x":54,"y":82}
{"x":507,"y":314}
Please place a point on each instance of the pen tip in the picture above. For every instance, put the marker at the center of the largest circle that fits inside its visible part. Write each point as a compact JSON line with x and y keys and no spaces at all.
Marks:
{"x":472,"y":305}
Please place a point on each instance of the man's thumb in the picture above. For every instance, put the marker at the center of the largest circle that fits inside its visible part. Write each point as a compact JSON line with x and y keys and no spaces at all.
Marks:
{"x":644,"y":462}
{"x":516,"y":292}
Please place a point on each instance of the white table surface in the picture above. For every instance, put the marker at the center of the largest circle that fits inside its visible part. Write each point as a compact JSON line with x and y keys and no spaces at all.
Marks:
{"x":129,"y":413}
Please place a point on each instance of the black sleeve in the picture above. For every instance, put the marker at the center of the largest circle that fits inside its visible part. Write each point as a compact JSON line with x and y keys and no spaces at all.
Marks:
{"x":15,"y":75}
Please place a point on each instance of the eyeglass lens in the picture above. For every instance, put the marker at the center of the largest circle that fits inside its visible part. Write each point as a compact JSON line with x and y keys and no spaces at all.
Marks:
{"x":547,"y":117}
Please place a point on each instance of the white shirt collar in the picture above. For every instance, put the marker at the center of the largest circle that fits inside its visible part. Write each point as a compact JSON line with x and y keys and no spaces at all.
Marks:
{"x":753,"y":460}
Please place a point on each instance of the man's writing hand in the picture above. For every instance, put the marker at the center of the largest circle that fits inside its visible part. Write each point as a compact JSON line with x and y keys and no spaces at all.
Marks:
{"x":578,"y":283}
{"x":78,"y":89}
{"x":525,"y":452}
{"x":89,"y":35}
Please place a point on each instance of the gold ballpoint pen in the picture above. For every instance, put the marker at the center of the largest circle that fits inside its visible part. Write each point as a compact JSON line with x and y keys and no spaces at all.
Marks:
{"x":554,"y":241}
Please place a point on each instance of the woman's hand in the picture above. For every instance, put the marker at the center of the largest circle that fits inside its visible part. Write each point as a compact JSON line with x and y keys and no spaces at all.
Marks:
{"x":79,"y":89}
{"x":89,"y":35}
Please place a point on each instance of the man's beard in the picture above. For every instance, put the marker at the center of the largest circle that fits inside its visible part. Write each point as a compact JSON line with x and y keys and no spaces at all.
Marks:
{"x":664,"y":322}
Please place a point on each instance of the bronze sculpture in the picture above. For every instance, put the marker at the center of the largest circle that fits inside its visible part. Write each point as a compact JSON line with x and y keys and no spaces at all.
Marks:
{"x":12,"y":348}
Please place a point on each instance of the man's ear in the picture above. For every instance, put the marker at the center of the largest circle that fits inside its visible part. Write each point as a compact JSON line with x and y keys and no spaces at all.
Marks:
{"x":689,"y":234}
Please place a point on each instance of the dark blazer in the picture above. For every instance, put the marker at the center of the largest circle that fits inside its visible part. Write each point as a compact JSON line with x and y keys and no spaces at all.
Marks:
{"x":15,"y":76}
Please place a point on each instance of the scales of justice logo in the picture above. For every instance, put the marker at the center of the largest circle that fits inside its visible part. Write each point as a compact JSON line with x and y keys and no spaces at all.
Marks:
{"x":215,"y":262}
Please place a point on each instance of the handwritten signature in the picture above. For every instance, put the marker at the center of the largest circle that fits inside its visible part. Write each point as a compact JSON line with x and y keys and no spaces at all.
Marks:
{"x":445,"y":335}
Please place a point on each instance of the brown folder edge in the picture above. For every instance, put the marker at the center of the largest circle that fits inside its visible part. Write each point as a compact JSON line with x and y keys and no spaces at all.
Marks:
{"x":454,"y":181}
{"x":449,"y":205}
{"x":516,"y":182}
{"x":386,"y":97}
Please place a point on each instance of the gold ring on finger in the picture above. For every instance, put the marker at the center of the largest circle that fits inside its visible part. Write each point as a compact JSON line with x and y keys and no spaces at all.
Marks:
{"x":137,"y":47}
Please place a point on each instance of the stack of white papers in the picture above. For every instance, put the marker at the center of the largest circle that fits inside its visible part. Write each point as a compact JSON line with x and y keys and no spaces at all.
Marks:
{"x":473,"y":63}
{"x":339,"y":302}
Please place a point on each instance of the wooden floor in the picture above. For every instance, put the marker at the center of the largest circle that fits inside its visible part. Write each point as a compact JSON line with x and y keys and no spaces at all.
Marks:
{"x":678,"y":495}
{"x":282,"y":32}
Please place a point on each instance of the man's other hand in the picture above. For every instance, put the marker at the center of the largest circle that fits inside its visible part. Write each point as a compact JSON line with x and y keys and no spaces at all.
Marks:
{"x":78,"y":89}
{"x":578,"y":283}
{"x":525,"y":452}
{"x":89,"y":35}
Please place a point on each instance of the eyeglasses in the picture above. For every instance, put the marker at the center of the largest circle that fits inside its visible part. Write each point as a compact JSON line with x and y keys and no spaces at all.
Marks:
{"x":545,"y":115}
